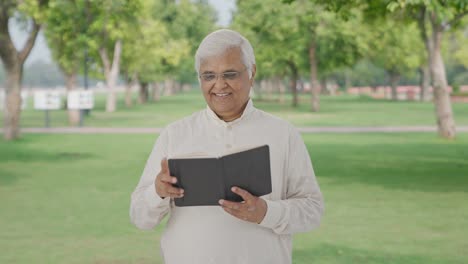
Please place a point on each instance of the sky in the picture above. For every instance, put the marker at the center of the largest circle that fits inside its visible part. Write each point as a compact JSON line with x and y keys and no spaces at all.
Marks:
{"x":42,"y":52}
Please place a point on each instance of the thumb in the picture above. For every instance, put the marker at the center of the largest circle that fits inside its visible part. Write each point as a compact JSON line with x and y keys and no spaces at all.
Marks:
{"x":164,"y":166}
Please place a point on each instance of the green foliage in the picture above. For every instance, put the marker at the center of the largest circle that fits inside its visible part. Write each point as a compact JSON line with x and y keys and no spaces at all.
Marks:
{"x":282,"y":33}
{"x":34,"y":9}
{"x":188,"y":22}
{"x":273,"y":30}
{"x":66,"y":33}
{"x":164,"y":41}
{"x":396,"y":47}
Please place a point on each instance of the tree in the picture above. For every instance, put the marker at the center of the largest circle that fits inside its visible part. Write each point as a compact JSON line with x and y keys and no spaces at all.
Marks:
{"x":302,"y":36}
{"x":436,"y":17}
{"x":65,"y":33}
{"x":396,"y":48}
{"x":32,"y":12}
{"x":187,"y":22}
{"x":274,"y":32}
{"x":110,"y":21}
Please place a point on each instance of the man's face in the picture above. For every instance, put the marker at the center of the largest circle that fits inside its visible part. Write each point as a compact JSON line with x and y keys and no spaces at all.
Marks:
{"x":228,"y":95}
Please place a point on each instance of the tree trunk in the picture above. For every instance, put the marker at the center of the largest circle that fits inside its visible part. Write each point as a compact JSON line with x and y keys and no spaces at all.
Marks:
{"x":425,"y":70}
{"x":347,"y":79}
{"x":177,"y":87}
{"x":394,"y":80}
{"x":282,"y":90}
{"x":169,"y":87}
{"x":73,"y":114}
{"x":129,"y":84}
{"x":111,"y":73}
{"x":269,"y":87}
{"x":443,"y":105}
{"x":293,"y":83}
{"x":323,"y":86}
{"x":314,"y":83}
{"x":13,"y":61}
{"x":144,"y":93}
{"x":263,"y":87}
{"x":424,"y":82}
{"x":128,"y":93}
{"x":12,"y":109}
{"x":156,"y":92}
{"x":186,"y":87}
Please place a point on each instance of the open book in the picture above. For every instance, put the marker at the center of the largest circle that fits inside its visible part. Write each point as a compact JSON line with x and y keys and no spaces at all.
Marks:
{"x":206,"y":180}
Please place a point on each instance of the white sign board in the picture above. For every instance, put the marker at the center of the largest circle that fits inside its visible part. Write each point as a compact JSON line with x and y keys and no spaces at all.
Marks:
{"x":24,"y":99}
{"x":47,"y":100}
{"x":83,"y":99}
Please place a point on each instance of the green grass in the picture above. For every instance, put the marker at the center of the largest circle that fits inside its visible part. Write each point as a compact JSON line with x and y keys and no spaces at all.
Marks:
{"x":342,"y":110}
{"x":390,"y":198}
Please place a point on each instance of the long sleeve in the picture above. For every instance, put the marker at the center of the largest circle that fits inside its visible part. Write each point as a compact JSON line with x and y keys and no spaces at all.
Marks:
{"x":303,"y":206}
{"x":147,"y":209}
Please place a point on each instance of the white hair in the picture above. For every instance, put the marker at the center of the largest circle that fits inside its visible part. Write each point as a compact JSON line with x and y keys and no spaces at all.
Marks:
{"x":217,"y":42}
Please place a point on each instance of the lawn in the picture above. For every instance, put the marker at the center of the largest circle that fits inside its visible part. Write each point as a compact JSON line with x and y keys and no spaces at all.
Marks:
{"x":390,"y":198}
{"x":344,"y":110}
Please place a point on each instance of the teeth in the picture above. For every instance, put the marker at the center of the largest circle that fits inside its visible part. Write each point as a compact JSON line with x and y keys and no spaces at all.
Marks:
{"x":223,"y":94}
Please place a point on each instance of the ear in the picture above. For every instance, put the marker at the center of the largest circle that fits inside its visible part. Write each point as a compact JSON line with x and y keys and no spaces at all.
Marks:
{"x":254,"y":71}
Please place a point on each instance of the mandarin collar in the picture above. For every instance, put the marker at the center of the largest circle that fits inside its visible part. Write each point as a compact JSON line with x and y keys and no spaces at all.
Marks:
{"x":249,"y":108}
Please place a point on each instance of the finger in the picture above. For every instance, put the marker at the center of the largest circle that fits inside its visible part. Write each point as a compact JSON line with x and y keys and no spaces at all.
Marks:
{"x":236,"y":213}
{"x":172,"y":190}
{"x":165,"y":177}
{"x":232,"y":205}
{"x":243,"y":193}
{"x":165,"y":166}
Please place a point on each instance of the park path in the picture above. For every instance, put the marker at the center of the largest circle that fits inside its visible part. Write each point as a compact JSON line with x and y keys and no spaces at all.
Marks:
{"x":319,"y":129}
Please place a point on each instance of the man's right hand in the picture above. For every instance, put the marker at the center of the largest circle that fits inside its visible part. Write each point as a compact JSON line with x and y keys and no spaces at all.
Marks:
{"x":164,"y":183}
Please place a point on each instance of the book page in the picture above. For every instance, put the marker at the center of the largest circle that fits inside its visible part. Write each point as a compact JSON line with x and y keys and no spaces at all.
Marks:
{"x":193,"y":155}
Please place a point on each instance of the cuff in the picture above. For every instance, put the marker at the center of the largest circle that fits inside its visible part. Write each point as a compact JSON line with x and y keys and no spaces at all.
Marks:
{"x":273,"y":214}
{"x":152,"y":198}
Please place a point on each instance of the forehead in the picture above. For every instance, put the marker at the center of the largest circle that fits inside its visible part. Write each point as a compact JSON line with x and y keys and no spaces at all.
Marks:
{"x":231,"y":59}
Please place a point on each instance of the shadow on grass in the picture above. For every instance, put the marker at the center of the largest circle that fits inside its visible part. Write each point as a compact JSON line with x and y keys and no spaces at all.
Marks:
{"x":431,"y":167}
{"x":21,"y":152}
{"x":7,"y":177}
{"x":333,"y":254}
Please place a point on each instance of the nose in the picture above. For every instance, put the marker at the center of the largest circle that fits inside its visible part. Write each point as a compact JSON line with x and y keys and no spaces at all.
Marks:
{"x":219,"y":82}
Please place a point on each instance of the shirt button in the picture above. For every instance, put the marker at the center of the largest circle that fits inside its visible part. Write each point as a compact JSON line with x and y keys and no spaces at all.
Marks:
{"x":228,"y":146}
{"x":229,"y":128}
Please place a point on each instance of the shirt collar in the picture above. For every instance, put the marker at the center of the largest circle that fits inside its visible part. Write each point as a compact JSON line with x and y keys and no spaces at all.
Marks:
{"x":249,"y":108}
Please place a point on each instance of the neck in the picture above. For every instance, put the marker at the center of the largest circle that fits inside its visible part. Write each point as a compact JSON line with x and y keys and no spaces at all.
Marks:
{"x":235,"y":116}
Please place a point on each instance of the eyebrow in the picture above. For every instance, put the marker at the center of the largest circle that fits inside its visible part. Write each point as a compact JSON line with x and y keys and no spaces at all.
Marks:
{"x":228,"y":70}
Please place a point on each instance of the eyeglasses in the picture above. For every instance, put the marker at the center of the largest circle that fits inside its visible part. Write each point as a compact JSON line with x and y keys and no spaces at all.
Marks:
{"x":227,"y":76}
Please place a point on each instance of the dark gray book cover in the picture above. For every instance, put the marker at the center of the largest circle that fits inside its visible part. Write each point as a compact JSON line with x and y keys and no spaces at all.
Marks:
{"x":206,"y":180}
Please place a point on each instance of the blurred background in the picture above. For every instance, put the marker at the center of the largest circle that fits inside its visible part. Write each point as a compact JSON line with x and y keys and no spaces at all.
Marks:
{"x":378,"y":88}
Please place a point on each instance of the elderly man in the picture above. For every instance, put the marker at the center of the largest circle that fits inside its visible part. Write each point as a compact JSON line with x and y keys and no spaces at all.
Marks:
{"x":259,"y":229}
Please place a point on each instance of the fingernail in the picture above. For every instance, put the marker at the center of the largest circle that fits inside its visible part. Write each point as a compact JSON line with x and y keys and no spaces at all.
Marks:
{"x":221,"y":202}
{"x":182,"y":191}
{"x":233,"y":189}
{"x":174,"y":180}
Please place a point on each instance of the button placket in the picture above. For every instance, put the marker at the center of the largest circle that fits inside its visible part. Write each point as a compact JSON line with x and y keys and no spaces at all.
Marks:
{"x":229,"y":137}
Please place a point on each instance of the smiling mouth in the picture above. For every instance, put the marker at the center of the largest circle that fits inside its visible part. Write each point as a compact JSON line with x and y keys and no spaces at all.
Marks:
{"x":222,"y":94}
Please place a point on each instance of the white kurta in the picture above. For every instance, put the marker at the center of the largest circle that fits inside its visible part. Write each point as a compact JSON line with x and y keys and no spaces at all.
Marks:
{"x":207,"y":234}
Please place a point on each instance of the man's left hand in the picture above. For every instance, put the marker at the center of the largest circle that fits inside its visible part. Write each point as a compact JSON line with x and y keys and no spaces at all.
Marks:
{"x":252,"y":209}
